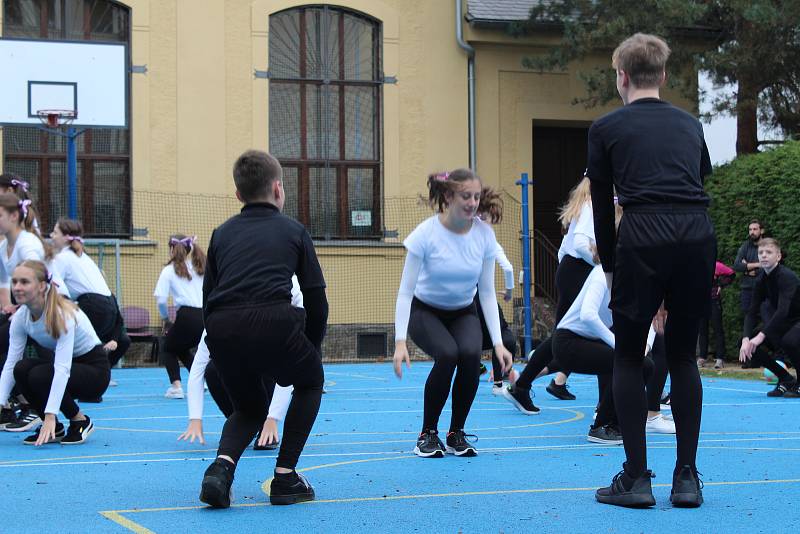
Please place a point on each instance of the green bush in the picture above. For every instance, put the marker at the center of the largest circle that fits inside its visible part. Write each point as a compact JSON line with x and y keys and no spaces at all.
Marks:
{"x":763,"y":186}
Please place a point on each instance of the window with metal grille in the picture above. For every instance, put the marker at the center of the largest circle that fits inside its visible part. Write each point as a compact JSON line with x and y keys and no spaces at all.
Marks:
{"x":325,"y":83}
{"x":104,"y":155}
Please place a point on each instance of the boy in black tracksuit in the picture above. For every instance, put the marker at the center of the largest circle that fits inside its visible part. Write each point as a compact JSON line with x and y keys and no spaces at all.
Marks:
{"x":253,"y":330}
{"x":655,"y":156}
{"x":780,"y":287}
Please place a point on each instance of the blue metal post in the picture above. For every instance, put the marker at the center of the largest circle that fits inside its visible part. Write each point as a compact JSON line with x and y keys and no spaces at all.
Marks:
{"x":72,"y":173}
{"x":526,"y":264}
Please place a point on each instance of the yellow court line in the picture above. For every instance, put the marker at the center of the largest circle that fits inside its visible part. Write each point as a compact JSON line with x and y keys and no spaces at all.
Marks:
{"x":115,"y":515}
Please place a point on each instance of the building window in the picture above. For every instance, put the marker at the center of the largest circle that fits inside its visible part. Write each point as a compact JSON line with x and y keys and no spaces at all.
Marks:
{"x":104,"y":155}
{"x":325,"y":81}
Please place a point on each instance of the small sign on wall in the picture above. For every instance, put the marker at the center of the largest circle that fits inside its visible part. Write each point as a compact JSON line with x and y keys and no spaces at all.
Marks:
{"x":361,"y":218}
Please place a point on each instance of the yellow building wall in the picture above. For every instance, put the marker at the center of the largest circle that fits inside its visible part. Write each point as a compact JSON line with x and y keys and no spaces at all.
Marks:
{"x":199,"y":106}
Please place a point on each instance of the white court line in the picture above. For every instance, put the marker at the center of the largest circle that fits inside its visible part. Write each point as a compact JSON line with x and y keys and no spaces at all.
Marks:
{"x":759,"y":392}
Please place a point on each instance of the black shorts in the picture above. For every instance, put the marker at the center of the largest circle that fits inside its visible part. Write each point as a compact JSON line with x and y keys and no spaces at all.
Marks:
{"x":664,"y":252}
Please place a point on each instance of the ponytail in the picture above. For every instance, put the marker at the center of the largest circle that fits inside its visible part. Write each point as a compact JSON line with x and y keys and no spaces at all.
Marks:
{"x":73,"y":231}
{"x":491,"y":205}
{"x":181,"y":246}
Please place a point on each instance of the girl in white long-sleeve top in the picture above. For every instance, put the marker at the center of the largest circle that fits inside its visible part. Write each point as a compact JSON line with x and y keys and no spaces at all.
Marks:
{"x":181,"y":278}
{"x":79,"y":368}
{"x":449,"y":255}
{"x":86,"y":285}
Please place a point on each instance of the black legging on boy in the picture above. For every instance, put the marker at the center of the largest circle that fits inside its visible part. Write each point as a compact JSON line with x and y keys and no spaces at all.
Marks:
{"x":103,"y":312}
{"x":182,"y":337}
{"x":250,"y":342}
{"x":655,"y":386}
{"x":453,"y":339}
{"x":88,"y":379}
{"x":220,"y":395}
{"x":577,"y":354}
{"x":790,"y":343}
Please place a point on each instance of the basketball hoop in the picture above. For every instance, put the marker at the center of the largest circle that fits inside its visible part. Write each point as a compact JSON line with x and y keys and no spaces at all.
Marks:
{"x":52,"y":118}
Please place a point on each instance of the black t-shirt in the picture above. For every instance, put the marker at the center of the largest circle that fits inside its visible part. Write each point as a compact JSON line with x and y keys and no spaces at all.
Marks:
{"x":652,"y":153}
{"x":252,"y":257}
{"x":781,"y":288}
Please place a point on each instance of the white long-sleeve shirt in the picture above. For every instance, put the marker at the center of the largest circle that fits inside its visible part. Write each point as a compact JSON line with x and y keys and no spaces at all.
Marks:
{"x":443,"y":268}
{"x":194,"y":392}
{"x":184,"y":292}
{"x":505,"y":265}
{"x":79,"y":273}
{"x":580,"y":237}
{"x":78,"y":339}
{"x":589,"y":316}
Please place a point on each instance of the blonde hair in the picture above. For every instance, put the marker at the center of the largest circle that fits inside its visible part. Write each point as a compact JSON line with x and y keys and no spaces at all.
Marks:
{"x":769,"y":242}
{"x":644,"y":58}
{"x":579,"y":196}
{"x":57,"y":308}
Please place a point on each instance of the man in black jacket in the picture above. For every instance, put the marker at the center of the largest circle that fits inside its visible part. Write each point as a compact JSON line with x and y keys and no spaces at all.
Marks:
{"x":747,"y":263}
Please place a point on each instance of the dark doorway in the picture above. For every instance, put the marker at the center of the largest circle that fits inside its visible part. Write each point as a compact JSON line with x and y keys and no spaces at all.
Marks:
{"x":559,"y":160}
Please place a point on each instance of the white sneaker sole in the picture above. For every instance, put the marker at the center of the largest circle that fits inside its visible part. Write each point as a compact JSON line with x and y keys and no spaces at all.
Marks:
{"x":33,"y":425}
{"x":498,"y":392}
{"x":86,"y":433}
{"x":174,"y":396}
{"x":434,"y":454}
{"x":469,"y":451}
{"x":507,"y":395}
{"x":593,"y":439}
{"x":658,"y":430}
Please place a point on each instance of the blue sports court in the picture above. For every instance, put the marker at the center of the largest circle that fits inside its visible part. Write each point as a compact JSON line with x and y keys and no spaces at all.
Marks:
{"x":532,"y":474}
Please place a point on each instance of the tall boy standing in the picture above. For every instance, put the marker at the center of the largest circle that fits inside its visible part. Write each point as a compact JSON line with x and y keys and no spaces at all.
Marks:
{"x":655,"y":156}
{"x":253,"y":330}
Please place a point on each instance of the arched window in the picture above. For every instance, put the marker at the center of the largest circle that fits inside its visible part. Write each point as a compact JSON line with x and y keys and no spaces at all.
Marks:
{"x":104,"y":156}
{"x":325,"y":82}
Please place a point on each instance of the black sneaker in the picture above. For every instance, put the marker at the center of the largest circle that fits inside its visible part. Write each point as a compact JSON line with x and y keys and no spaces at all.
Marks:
{"x":267,"y":447}
{"x":7,"y":415}
{"x":458,"y":445}
{"x":28,"y":420}
{"x":793,"y":392}
{"x":78,"y":432}
{"x":607,"y":435}
{"x":483,"y":369}
{"x":31,"y":440}
{"x":559,"y":392}
{"x":291,"y":488}
{"x":521,"y":398}
{"x":779,"y":391}
{"x":639,"y":496}
{"x":429,"y":445}
{"x":687,"y":488}
{"x":216,"y":490}
{"x":666,"y":402}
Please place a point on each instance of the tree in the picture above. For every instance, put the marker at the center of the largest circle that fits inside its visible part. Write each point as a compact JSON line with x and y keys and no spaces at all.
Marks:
{"x":753,"y":45}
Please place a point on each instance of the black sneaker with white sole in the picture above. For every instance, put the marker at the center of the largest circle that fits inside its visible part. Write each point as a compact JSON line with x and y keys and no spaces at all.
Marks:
{"x":31,"y":440}
{"x":521,"y":399}
{"x":78,"y":432}
{"x":429,"y":445}
{"x":779,"y":391}
{"x":559,"y":391}
{"x":639,"y":494}
{"x":215,"y":490}
{"x":606,"y":435}
{"x":458,"y":445}
{"x":28,"y":420}
{"x":290,"y":488}
{"x":7,"y":415}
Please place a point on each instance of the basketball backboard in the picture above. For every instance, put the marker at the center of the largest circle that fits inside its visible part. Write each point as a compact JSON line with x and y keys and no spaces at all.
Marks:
{"x":88,"y":78}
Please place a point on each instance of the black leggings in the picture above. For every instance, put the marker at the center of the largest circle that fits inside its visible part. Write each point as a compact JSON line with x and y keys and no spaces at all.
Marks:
{"x":220,"y":395}
{"x":182,"y":337}
{"x":680,"y":337}
{"x":719,"y":333}
{"x":570,"y":277}
{"x":453,"y":339}
{"x":245,"y":345}
{"x":577,"y":354}
{"x":655,"y":386}
{"x":88,"y":379}
{"x":103,"y":312}
{"x":790,"y":343}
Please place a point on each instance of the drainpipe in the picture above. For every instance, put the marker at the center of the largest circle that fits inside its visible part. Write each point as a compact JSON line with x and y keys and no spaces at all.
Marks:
{"x":470,"y":81}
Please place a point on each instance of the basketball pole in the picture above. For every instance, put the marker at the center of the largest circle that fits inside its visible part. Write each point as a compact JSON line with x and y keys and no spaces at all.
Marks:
{"x":72,"y":172}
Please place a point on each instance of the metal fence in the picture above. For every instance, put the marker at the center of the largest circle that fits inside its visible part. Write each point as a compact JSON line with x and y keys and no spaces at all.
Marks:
{"x":362,"y":276}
